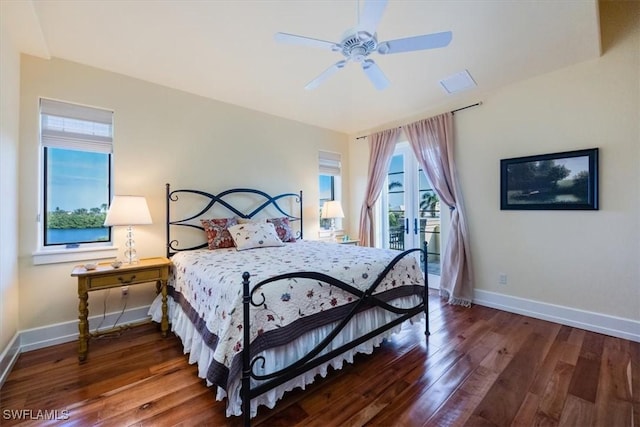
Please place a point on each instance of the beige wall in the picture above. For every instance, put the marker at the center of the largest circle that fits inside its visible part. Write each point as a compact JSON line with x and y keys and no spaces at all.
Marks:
{"x":161,"y":135}
{"x":587,"y":260}
{"x":9,"y":118}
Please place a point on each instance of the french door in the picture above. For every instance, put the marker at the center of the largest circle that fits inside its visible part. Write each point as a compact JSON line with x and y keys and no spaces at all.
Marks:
{"x":411,"y":210}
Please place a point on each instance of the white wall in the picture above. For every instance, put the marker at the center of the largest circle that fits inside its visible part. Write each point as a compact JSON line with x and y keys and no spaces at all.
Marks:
{"x":9,"y":118}
{"x":585,"y":260}
{"x":161,"y":135}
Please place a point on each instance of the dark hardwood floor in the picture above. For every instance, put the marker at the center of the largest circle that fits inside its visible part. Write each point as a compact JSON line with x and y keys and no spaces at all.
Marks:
{"x":481,"y":367}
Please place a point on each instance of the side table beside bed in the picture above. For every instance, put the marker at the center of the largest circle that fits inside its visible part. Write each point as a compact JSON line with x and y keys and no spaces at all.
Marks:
{"x":104,"y":276}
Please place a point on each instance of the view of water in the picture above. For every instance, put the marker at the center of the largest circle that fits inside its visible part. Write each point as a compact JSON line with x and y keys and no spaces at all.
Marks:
{"x":76,"y":235}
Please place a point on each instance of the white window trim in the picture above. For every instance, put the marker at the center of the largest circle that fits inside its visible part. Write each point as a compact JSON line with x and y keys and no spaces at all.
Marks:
{"x":57,"y":255}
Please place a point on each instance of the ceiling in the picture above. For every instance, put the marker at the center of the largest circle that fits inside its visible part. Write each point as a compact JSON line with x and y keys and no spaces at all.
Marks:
{"x":225,"y":50}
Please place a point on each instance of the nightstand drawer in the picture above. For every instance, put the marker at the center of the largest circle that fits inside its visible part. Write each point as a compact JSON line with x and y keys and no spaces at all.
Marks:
{"x":124,"y":278}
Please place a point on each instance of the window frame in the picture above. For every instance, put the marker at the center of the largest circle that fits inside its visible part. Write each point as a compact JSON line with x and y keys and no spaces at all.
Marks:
{"x":45,"y":183}
{"x":47,"y":253}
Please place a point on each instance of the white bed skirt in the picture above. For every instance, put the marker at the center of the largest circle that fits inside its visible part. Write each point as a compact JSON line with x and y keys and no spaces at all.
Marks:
{"x":280,"y":357}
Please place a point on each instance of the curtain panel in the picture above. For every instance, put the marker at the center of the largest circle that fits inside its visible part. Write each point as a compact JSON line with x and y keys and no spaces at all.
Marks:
{"x":381,"y":147}
{"x":432,"y":142}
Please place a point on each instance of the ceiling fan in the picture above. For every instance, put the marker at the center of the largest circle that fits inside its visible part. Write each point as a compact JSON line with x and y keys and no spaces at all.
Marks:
{"x":359,"y":42}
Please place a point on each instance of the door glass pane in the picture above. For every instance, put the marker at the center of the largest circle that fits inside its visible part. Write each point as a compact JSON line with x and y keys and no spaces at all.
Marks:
{"x":430,"y":225}
{"x":396,"y":203}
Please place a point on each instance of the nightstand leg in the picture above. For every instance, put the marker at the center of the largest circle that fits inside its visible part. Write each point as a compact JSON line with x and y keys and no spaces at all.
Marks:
{"x":164,"y":325}
{"x":83,"y":325}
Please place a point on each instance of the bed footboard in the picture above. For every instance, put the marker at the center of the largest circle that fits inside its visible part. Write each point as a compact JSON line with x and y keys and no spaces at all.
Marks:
{"x":315,"y":357}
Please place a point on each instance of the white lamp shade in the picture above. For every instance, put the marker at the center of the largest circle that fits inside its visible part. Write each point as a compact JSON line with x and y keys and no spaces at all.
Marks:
{"x":128,"y":210}
{"x":332,"y":209}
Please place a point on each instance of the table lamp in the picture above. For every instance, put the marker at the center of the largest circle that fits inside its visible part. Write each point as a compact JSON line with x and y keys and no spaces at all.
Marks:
{"x":332,"y":209}
{"x":129,"y":211}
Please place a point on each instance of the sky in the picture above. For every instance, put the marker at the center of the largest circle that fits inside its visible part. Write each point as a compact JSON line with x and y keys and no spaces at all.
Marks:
{"x":77,"y":179}
{"x":574,"y":164}
{"x":325,"y":187}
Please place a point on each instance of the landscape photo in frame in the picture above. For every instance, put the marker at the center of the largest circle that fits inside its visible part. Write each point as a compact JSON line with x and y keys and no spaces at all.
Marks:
{"x":557,"y":181}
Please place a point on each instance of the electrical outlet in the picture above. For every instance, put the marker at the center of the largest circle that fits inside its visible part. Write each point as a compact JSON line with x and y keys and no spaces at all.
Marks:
{"x":502,"y":279}
{"x":125,"y":291}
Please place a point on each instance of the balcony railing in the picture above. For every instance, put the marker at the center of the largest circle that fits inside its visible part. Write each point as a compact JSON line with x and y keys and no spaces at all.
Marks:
{"x":429,"y":232}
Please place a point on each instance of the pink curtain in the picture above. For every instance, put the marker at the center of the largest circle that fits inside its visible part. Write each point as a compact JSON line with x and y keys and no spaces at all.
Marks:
{"x":432,"y":143}
{"x":381,"y":146}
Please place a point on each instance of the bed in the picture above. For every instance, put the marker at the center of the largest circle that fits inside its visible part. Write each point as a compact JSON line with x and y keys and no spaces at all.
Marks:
{"x":270,"y":311}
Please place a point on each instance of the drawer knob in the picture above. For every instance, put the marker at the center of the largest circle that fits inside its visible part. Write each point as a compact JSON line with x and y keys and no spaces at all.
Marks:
{"x":126,"y":282}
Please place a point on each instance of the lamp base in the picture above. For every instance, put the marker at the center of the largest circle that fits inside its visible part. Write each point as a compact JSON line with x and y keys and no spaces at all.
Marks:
{"x":130,"y":254}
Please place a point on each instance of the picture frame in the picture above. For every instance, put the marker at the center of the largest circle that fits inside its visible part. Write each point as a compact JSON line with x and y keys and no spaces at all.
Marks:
{"x":556,"y":181}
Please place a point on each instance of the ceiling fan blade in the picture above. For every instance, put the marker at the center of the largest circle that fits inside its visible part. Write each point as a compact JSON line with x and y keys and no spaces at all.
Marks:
{"x":305,"y":41}
{"x":325,"y":75}
{"x":371,"y":15}
{"x":427,"y":41}
{"x":375,"y":74}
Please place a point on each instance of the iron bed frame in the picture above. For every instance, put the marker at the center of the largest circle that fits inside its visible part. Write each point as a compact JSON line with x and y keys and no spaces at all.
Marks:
{"x":253,"y":296}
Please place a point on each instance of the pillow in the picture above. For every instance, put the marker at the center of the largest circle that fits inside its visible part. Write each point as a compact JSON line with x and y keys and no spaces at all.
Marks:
{"x":249,"y":220}
{"x":217,"y":232}
{"x":283,"y":228}
{"x":254,"y":235}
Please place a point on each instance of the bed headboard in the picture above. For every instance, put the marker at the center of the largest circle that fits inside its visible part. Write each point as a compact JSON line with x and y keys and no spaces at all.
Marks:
{"x":183,"y":221}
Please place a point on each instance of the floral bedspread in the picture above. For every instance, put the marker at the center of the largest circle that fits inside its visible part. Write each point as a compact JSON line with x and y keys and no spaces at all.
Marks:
{"x":208,"y":286}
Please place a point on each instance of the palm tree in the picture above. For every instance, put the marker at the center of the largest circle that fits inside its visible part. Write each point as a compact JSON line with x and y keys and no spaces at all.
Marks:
{"x":395,"y":218}
{"x":395,"y":184}
{"x":429,"y":202}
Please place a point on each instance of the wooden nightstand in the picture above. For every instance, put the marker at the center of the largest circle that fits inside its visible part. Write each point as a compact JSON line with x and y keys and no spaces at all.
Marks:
{"x":105,"y":277}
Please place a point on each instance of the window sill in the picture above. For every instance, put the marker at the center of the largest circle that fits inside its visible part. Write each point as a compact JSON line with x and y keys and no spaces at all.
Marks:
{"x":56,"y":256}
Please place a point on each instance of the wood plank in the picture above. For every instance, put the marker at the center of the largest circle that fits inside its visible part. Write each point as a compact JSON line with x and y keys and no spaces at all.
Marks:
{"x":547,"y":368}
{"x":556,"y":391}
{"x":527,"y":411}
{"x":577,"y":413}
{"x":614,"y":406}
{"x":634,"y":367}
{"x":584,"y":383}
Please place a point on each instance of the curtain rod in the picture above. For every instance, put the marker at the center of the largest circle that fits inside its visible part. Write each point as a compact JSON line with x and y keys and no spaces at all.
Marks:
{"x":452,"y":112}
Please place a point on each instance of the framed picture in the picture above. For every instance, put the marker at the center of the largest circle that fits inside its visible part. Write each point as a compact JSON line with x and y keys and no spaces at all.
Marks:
{"x":560,"y":181}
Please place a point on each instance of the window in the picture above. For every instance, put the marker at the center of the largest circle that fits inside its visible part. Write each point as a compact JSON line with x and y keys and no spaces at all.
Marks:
{"x":76,"y":146}
{"x":329,"y":182}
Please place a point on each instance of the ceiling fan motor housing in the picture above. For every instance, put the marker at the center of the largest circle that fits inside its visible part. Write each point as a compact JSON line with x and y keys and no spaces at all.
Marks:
{"x":357,"y":45}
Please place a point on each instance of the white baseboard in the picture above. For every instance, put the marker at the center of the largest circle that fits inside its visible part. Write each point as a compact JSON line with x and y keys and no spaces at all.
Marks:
{"x":595,"y":322}
{"x":33,"y":339}
{"x":45,"y":336}
{"x":8,"y":357}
